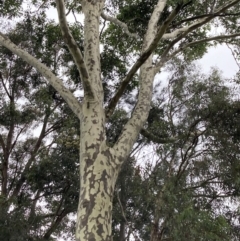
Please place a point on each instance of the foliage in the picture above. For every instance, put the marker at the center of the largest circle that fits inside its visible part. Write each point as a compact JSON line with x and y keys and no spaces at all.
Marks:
{"x":37,"y":197}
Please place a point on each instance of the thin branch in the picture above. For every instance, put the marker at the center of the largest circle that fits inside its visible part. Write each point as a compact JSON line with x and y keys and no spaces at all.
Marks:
{"x":10,"y":186}
{"x":4,"y":168}
{"x":201,"y":184}
{"x":55,"y":224}
{"x":185,"y":160}
{"x":31,"y":159}
{"x":8,"y":147}
{"x":4,"y":86}
{"x":71,"y":8}
{"x":136,"y":149}
{"x":66,"y":94}
{"x":205,"y":15}
{"x":17,"y":136}
{"x":228,"y":194}
{"x":200,"y":22}
{"x":33,"y":207}
{"x":121,"y":206}
{"x":60,"y":214}
{"x":74,"y":49}
{"x":233,"y":54}
{"x":215,"y":38}
{"x":11,"y":127}
{"x":2,"y":143}
{"x":189,"y":152}
{"x":73,"y":13}
{"x":157,"y":139}
{"x":120,"y":24}
{"x":104,"y":23}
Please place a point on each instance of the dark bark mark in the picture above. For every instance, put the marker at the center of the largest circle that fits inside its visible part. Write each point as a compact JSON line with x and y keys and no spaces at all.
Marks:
{"x":100,"y":229}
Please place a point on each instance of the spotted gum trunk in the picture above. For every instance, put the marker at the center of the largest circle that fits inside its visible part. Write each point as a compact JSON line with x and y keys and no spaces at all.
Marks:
{"x":97,"y":178}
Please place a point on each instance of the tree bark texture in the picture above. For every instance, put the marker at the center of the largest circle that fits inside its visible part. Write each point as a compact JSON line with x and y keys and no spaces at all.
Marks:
{"x":98,"y":174}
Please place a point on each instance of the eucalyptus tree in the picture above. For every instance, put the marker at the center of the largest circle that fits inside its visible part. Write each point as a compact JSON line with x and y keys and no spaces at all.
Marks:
{"x":167,"y":29}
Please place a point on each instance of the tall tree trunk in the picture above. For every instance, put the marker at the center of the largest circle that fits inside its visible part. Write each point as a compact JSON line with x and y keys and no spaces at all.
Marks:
{"x":95,"y":204}
{"x":98,"y":174}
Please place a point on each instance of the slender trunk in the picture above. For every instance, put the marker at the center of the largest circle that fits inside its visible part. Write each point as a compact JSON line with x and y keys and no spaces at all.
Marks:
{"x":122,"y":230}
{"x":4,"y":224}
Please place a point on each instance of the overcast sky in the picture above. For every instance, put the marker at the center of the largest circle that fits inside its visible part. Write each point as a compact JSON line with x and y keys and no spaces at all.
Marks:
{"x":222,"y":58}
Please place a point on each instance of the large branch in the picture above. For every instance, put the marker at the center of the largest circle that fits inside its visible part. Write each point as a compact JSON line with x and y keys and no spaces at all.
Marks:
{"x":66,"y":94}
{"x":140,"y":113}
{"x":92,"y":11}
{"x":147,"y":73}
{"x":141,"y":60}
{"x":74,"y":49}
{"x":120,"y":24}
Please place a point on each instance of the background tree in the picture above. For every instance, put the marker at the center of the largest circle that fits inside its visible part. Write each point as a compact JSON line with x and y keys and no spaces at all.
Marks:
{"x":28,"y":160}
